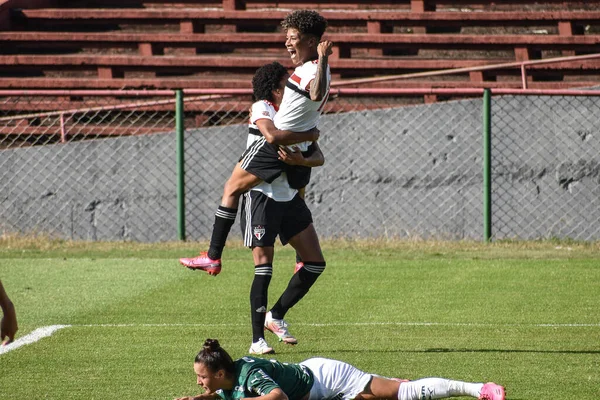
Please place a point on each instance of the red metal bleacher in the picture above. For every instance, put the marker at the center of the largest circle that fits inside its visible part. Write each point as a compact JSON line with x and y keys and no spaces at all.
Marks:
{"x":219,"y":44}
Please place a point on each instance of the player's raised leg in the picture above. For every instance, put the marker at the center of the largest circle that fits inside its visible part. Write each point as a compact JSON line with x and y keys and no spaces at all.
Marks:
{"x":209,"y":261}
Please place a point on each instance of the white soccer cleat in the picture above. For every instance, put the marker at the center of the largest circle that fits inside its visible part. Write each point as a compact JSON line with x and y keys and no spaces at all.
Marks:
{"x":261,"y":347}
{"x":279,"y":328}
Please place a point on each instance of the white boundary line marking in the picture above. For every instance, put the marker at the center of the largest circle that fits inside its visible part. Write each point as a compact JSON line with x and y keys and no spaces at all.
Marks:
{"x":457,"y":324}
{"x":32,"y":337}
{"x":47,"y":331}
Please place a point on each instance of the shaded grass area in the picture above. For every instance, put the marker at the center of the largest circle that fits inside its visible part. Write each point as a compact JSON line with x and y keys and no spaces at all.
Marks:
{"x":14,"y":246}
{"x":523,"y":314}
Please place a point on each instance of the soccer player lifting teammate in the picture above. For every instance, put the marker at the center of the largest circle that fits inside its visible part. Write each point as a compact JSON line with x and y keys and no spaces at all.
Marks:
{"x":316,"y":379}
{"x":276,"y":209}
{"x":303,"y":100}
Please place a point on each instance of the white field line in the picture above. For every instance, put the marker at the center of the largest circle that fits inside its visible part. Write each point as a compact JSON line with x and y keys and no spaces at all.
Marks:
{"x":32,"y":337}
{"x":467,"y":324}
{"x":46,"y":331}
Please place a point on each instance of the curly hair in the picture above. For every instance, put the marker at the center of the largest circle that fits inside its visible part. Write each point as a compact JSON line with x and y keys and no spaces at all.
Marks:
{"x":266,"y":79}
{"x":306,"y":22}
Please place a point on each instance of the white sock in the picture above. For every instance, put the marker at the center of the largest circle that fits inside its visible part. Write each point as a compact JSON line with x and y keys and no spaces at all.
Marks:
{"x":437,"y":388}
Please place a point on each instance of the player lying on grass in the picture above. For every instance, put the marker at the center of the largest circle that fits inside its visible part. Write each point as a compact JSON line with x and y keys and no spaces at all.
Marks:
{"x":316,"y":379}
{"x":304,"y":97}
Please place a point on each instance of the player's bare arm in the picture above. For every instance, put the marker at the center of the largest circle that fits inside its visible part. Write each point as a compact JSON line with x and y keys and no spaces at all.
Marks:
{"x":203,"y":396}
{"x":319,"y":86}
{"x":8,"y":323}
{"x":294,"y":156}
{"x":317,"y":158}
{"x":275,"y":394}
{"x":284,"y":137}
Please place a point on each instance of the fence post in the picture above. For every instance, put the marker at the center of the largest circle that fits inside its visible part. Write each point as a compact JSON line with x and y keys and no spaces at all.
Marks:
{"x":487,"y":165}
{"x":179,"y":128}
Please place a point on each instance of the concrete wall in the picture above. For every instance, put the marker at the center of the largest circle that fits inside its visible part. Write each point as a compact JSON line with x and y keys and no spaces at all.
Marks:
{"x":411,"y":171}
{"x":546,"y":167}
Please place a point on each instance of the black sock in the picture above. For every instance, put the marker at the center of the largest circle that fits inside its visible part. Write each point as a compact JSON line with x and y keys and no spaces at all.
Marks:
{"x":259,"y":299}
{"x":299,"y":285}
{"x":224,"y":219}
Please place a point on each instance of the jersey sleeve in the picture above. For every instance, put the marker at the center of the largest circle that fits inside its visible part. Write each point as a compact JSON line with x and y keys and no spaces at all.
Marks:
{"x":308,"y":73}
{"x":260,"y":383}
{"x":260,"y":110}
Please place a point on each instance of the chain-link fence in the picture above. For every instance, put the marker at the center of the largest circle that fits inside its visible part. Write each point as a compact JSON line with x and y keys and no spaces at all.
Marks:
{"x":546,"y":167}
{"x":103,"y":166}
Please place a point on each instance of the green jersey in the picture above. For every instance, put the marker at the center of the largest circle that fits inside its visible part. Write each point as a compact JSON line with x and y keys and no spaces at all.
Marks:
{"x":257,"y":377}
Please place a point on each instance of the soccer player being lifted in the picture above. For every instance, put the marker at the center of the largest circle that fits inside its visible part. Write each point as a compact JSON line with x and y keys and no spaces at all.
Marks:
{"x":304,"y":97}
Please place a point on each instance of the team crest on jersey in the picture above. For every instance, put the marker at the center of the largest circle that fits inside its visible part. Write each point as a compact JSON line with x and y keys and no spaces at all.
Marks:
{"x":259,"y":231}
{"x":265,"y":113}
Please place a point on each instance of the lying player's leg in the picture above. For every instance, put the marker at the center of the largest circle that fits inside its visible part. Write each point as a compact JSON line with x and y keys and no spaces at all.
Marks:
{"x":333,"y":377}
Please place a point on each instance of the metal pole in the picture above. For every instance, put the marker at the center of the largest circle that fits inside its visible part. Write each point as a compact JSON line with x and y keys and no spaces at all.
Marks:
{"x":63,"y":132}
{"x":487,"y":165}
{"x":180,"y":129}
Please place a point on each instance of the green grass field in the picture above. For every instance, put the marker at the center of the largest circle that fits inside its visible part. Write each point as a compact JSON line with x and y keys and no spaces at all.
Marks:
{"x":526,"y":315}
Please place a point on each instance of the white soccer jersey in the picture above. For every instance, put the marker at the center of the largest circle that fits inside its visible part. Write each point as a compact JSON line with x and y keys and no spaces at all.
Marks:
{"x":279,"y":189}
{"x":297,"y":112}
{"x":262,"y":109}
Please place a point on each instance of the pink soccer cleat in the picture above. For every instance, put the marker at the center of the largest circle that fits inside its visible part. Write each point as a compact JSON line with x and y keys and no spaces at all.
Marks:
{"x":298,"y":266}
{"x":279,"y":328}
{"x":492,"y":391}
{"x":203,"y":263}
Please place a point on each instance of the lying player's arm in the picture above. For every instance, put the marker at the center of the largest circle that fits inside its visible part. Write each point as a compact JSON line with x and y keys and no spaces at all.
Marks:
{"x":203,"y":396}
{"x":295,"y":157}
{"x":275,"y":394}
{"x":282,"y":137}
{"x":319,"y":85}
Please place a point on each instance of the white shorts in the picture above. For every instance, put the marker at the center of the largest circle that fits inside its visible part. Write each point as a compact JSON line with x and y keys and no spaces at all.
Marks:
{"x":335,"y":379}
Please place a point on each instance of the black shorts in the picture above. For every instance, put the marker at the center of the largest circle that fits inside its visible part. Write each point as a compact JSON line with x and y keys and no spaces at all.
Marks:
{"x":261,"y":160}
{"x":263,"y":218}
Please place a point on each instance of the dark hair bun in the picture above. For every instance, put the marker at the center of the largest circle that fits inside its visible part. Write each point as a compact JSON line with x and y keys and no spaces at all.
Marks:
{"x":211,"y":345}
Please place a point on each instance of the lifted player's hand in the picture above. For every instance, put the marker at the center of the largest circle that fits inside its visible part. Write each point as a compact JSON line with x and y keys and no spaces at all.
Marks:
{"x":325,"y":48}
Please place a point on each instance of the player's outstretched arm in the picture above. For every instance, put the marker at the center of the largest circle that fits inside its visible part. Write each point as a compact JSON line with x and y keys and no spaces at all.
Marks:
{"x":275,"y":394}
{"x":203,"y":396}
{"x":8,"y":324}
{"x":284,"y":137}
